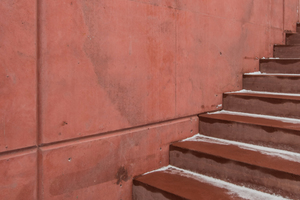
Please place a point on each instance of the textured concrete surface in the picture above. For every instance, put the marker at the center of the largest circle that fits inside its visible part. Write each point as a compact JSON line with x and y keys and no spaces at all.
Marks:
{"x":147,"y":61}
{"x":107,"y":164}
{"x":18,"y":175}
{"x":17,"y":74}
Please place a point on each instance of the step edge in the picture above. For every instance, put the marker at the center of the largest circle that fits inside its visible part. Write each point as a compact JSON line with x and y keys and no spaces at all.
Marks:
{"x":263,"y":92}
{"x":264,"y":96}
{"x":277,"y":59}
{"x":271,"y":74}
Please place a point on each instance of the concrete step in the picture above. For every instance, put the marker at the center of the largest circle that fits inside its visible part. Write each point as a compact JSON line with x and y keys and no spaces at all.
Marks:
{"x":264,"y":169}
{"x":286,"y":51}
{"x":263,"y":130}
{"x":288,"y":65}
{"x":298,"y":27}
{"x":276,"y":104}
{"x":285,"y":83}
{"x":292,"y":39}
{"x":174,"y":183}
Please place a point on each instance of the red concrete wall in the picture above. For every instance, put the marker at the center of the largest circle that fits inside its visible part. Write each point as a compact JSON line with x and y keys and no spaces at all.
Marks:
{"x":82,"y":82}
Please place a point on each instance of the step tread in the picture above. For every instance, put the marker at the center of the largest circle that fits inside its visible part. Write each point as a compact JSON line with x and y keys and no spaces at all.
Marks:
{"x":188,"y":185}
{"x":255,"y":119}
{"x":264,"y":157}
{"x":285,"y":96}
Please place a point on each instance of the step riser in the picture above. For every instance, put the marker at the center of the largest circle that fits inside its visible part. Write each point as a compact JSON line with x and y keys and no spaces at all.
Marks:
{"x":280,"y":66}
{"x":286,"y":51}
{"x":261,"y":105}
{"x":272,"y":84}
{"x":262,"y":179}
{"x":253,"y":134}
{"x":292,"y":39}
{"x":146,"y":192}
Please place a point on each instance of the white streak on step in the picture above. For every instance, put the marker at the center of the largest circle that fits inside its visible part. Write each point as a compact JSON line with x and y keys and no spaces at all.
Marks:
{"x":273,"y":58}
{"x":158,"y":170}
{"x":271,"y":74}
{"x":198,"y":137}
{"x":287,"y":155}
{"x":283,"y":119}
{"x":252,"y":73}
{"x":260,"y":92}
{"x":233,"y":189}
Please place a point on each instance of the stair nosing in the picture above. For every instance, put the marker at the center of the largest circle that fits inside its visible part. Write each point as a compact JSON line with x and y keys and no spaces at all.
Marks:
{"x":262,"y":92}
{"x":272,"y":74}
{"x":282,"y":58}
{"x":285,"y":96}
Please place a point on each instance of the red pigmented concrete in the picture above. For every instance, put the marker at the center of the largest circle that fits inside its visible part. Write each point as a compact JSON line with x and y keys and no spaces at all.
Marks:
{"x":291,"y":11}
{"x":108,"y":75}
{"x":17,"y":74}
{"x":111,"y":65}
{"x":105,"y":165}
{"x":145,"y":61}
{"x":18,"y":176}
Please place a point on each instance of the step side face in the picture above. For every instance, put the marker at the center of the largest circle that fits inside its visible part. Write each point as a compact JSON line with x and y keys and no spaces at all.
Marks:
{"x":267,"y":136}
{"x":298,"y":28}
{"x":292,"y":39}
{"x":286,"y":51}
{"x":284,"y":84}
{"x":262,"y":105}
{"x":251,"y":176}
{"x":280,"y":66}
{"x":142,"y":191}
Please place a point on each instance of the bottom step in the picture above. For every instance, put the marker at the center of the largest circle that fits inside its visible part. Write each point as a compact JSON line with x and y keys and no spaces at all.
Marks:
{"x":178,"y":184}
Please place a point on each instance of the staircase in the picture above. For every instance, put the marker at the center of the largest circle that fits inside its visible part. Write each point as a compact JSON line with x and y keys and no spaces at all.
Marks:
{"x":249,"y":150}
